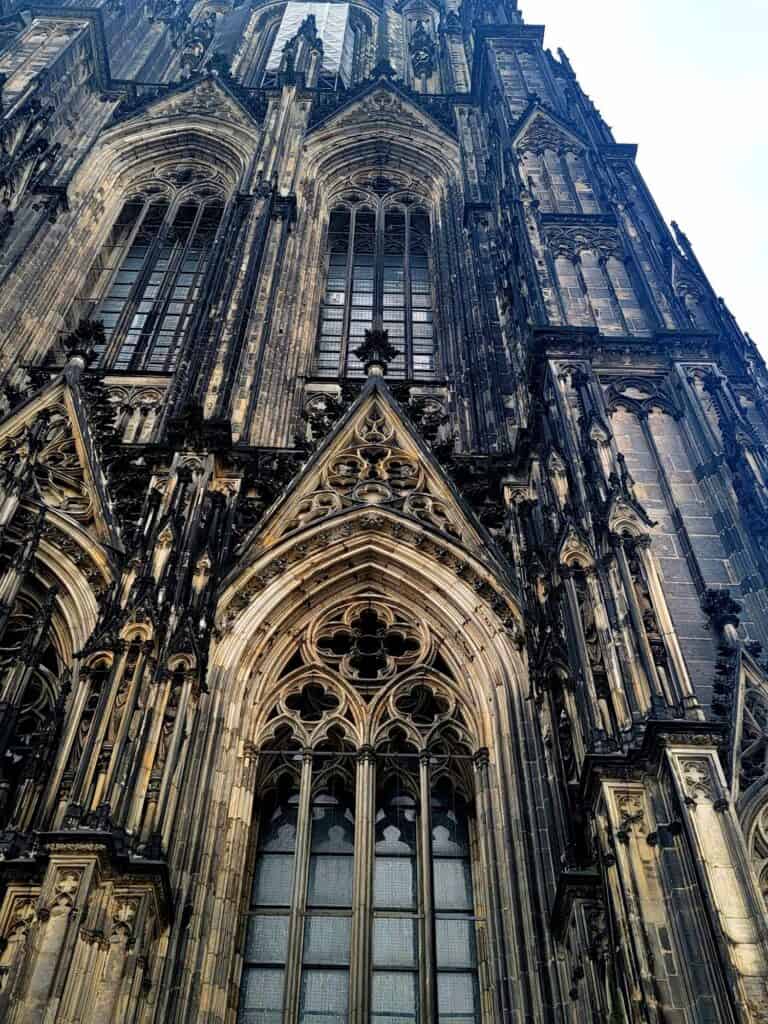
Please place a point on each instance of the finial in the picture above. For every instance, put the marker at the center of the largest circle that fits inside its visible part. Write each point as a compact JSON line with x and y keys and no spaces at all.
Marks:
{"x":376,"y":352}
{"x":79,"y":344}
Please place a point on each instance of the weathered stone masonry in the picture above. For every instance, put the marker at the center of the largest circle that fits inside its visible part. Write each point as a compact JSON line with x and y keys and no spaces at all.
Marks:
{"x":383,"y":532}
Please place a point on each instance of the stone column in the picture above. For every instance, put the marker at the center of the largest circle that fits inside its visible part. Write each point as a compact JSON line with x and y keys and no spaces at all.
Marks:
{"x":727,"y":881}
{"x":361,"y":953}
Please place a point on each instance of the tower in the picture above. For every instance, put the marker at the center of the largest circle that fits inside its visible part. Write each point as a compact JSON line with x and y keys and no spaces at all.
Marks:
{"x":383,"y":534}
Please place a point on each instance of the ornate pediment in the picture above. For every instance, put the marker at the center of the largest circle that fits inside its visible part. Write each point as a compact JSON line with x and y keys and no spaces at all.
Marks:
{"x":373,"y":459}
{"x":382,"y":105}
{"x":207,"y":97}
{"x":47,"y":455}
{"x":539,"y":130}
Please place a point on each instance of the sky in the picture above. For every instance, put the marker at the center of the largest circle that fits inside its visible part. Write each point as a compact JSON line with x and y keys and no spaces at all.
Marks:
{"x":687,"y":80}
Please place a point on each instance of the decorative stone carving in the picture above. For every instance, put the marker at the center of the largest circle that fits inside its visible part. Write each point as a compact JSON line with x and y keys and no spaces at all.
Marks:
{"x":697,"y":780}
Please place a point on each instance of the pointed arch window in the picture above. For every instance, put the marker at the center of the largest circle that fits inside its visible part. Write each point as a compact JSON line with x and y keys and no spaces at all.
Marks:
{"x":378,"y":273}
{"x":151,"y":275}
{"x":314,"y":866}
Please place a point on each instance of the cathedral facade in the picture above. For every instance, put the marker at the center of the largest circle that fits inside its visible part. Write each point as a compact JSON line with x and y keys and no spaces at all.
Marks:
{"x":383,"y":535}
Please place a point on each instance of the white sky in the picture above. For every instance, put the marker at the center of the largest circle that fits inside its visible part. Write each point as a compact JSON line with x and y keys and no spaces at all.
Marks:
{"x":687,"y":80}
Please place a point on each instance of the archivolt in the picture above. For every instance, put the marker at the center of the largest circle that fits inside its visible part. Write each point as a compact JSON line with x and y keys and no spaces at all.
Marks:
{"x":470,"y":650}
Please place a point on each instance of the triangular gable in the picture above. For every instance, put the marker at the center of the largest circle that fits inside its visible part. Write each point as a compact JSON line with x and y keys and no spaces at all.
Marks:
{"x":373,"y":458}
{"x":381,"y":101}
{"x":540,"y":129}
{"x":206,"y":97}
{"x":67,"y":477}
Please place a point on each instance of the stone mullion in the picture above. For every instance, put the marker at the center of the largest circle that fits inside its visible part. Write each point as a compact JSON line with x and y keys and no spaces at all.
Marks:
{"x":427,"y":901}
{"x":495,"y":989}
{"x":361,"y":956}
{"x":86,"y":771}
{"x":654,"y":683}
{"x":668,"y":632}
{"x":617,"y":310}
{"x":565,"y":167}
{"x":628,"y":654}
{"x":299,"y":895}
{"x":591,"y":703}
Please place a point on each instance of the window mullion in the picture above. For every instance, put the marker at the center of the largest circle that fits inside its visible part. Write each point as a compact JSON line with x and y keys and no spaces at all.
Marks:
{"x":192,"y":299}
{"x":377,"y":312}
{"x":351,"y":236}
{"x":129,"y":309}
{"x":299,"y":896}
{"x":149,"y":341}
{"x":427,"y":909}
{"x":361,"y":955}
{"x":144,"y":345}
{"x":407,"y":303}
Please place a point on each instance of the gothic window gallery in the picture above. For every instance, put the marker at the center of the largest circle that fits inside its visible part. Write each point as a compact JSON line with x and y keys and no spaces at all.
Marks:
{"x":378,"y":272}
{"x":149,"y":277}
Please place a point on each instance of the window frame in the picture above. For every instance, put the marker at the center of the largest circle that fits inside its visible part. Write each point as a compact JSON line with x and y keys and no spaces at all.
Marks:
{"x":206,"y":199}
{"x":367,"y":787}
{"x":410,"y":206}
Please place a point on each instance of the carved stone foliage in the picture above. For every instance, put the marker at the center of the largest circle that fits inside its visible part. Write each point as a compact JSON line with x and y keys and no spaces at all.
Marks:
{"x":374,"y":467}
{"x":697,"y":780}
{"x":48,"y":447}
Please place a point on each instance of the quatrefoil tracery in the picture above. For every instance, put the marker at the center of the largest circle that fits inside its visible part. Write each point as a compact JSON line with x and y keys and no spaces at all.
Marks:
{"x":368,"y":643}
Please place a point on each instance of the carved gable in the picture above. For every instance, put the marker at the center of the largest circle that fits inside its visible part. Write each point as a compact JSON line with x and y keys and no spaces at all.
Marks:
{"x":47,"y":442}
{"x":373,"y":458}
{"x":207,"y":98}
{"x":540,"y":131}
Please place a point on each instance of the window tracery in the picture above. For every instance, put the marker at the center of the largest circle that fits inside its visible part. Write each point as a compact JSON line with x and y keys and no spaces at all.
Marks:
{"x":149,"y":279}
{"x":378,"y":273}
{"x":366,"y":789}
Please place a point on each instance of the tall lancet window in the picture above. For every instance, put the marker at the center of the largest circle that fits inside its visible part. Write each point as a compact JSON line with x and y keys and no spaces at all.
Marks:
{"x":150,"y":277}
{"x":378,"y":273}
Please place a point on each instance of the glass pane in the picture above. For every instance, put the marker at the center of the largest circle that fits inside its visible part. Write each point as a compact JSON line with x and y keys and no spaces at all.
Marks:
{"x":333,"y":829}
{"x":324,"y":997}
{"x":330,"y":881}
{"x":455,"y":941}
{"x":273,"y":880}
{"x":449,"y":831}
{"x":453,"y":885}
{"x":394,"y":998}
{"x":261,"y":996}
{"x":394,"y":942}
{"x":267,"y":939}
{"x":394,"y":882}
{"x":457,"y":999}
{"x":278,"y":833}
{"x":326,"y":940}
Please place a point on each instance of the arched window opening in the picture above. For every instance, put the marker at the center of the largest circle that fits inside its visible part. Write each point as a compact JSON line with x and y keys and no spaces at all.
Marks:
{"x":378,"y":272}
{"x":266,"y":942}
{"x":150,"y":278}
{"x":411,"y":848}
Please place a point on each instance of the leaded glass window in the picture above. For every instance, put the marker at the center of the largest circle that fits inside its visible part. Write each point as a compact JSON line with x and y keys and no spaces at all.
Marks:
{"x":378,"y":272}
{"x":299,"y":965}
{"x":266,"y":941}
{"x":151,"y":274}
